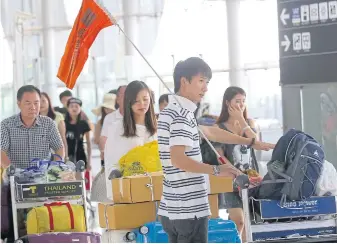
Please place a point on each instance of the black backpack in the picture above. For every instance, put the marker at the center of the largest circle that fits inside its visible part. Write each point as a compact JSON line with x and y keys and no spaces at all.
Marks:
{"x":296,"y":165}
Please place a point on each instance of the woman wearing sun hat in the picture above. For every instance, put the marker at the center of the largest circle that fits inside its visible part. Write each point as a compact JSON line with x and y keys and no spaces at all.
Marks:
{"x":108,"y":106}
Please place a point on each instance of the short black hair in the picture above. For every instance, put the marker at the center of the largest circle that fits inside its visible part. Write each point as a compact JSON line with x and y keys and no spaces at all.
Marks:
{"x":27,"y":88}
{"x":65,"y":93}
{"x":163,"y":98}
{"x":189,"y":68}
{"x":114,"y":91}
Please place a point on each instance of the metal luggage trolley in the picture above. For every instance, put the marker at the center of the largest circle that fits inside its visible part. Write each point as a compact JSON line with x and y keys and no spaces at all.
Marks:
{"x":29,"y":195}
{"x":310,"y":220}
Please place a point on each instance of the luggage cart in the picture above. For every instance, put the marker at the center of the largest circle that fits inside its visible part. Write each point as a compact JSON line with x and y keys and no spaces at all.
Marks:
{"x":29,"y":195}
{"x":310,"y":220}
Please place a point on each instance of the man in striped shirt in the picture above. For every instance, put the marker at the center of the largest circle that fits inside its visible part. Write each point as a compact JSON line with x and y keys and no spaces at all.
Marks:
{"x":184,"y":207}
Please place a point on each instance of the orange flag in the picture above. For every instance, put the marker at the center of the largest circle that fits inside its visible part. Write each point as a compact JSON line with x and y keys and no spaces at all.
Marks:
{"x":89,"y":22}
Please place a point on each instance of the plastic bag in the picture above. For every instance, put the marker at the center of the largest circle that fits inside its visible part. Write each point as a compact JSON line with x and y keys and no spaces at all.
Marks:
{"x":327,"y":183}
{"x":141,"y":159}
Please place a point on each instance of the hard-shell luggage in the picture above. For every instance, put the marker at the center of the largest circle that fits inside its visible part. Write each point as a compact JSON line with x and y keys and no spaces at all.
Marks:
{"x":219,"y":231}
{"x":62,"y":237}
{"x":222,"y":231}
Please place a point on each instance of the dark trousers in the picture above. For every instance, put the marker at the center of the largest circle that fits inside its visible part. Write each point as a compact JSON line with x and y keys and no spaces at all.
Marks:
{"x":186,"y":230}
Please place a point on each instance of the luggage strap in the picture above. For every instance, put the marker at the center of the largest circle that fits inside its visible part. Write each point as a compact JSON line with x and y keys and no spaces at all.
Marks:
{"x":51,"y":218}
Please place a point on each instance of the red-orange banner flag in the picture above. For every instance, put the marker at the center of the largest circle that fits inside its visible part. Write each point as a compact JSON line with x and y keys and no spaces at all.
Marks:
{"x":90,"y":20}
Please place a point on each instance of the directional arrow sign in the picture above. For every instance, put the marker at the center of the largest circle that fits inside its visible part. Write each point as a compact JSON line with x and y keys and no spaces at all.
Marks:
{"x":286,"y":43}
{"x":284,"y":16}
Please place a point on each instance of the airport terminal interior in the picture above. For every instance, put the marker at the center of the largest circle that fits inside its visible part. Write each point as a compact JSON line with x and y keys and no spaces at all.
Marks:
{"x":282,"y":53}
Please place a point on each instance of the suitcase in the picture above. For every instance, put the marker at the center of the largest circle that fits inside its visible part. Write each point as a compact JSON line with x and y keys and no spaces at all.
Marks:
{"x":6,"y":214}
{"x":219,"y":231}
{"x":61,"y":237}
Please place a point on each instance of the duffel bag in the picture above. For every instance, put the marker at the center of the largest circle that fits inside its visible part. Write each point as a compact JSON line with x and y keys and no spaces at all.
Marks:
{"x":56,"y":217}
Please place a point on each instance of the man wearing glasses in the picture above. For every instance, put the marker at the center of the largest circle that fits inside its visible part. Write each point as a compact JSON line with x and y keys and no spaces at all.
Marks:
{"x":28,"y":135}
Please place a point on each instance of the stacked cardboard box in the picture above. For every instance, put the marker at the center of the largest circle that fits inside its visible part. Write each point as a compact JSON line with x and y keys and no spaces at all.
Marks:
{"x":136,"y":199}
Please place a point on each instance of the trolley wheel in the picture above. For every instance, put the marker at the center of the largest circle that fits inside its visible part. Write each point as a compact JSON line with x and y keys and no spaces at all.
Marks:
{"x":242,"y":181}
{"x":115,"y":174}
{"x":130,"y":236}
{"x":80,"y":166}
{"x":144,"y":230}
{"x":11,"y":170}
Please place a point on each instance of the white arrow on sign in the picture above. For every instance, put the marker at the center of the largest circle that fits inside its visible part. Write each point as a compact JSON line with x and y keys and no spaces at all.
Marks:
{"x":286,"y":43}
{"x":284,"y":16}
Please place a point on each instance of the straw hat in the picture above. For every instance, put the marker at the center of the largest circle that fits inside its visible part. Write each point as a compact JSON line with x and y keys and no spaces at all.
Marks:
{"x":109,"y":101}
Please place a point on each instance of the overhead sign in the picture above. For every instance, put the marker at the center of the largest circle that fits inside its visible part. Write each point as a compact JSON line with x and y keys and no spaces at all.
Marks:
{"x":307,"y":41}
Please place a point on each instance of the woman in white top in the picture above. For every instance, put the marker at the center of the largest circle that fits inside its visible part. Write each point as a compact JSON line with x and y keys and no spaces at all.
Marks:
{"x":139,"y":126}
{"x":107,"y":107}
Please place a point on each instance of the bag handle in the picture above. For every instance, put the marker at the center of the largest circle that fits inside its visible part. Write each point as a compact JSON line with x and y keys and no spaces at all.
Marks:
{"x":38,"y":163}
{"x":57,"y":156}
{"x":50,"y":212}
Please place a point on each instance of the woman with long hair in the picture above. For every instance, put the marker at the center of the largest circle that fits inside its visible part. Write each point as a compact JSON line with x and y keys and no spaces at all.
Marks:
{"x":139,"y":126}
{"x":107,"y":107}
{"x":47,"y":109}
{"x":76,"y":130}
{"x":234,"y":119}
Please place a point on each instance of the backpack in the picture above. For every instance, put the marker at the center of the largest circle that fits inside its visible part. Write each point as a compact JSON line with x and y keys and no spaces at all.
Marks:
{"x":295,"y":167}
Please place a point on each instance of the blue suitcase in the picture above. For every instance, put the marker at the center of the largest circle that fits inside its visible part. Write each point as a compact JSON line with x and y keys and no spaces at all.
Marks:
{"x":219,"y":231}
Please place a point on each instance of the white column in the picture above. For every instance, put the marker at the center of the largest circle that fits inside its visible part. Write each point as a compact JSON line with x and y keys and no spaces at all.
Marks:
{"x":18,"y":80}
{"x":131,"y":9}
{"x":233,"y":28}
{"x":131,"y":26}
{"x":50,"y":71}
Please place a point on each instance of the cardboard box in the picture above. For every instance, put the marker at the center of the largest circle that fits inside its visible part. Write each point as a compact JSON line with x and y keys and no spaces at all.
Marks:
{"x":126,"y":216}
{"x":219,"y":184}
{"x":214,"y":205}
{"x":134,"y":189}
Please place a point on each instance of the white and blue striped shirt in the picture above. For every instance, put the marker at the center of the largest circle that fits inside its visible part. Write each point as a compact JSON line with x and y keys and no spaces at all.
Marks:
{"x":184,"y":193}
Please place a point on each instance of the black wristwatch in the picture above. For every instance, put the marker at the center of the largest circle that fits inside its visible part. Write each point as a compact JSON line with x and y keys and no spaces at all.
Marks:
{"x":252,"y":143}
{"x":216,"y":170}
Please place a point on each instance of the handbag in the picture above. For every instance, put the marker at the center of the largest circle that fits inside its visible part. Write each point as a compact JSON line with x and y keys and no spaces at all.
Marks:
{"x":56,"y":217}
{"x":98,"y":189}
